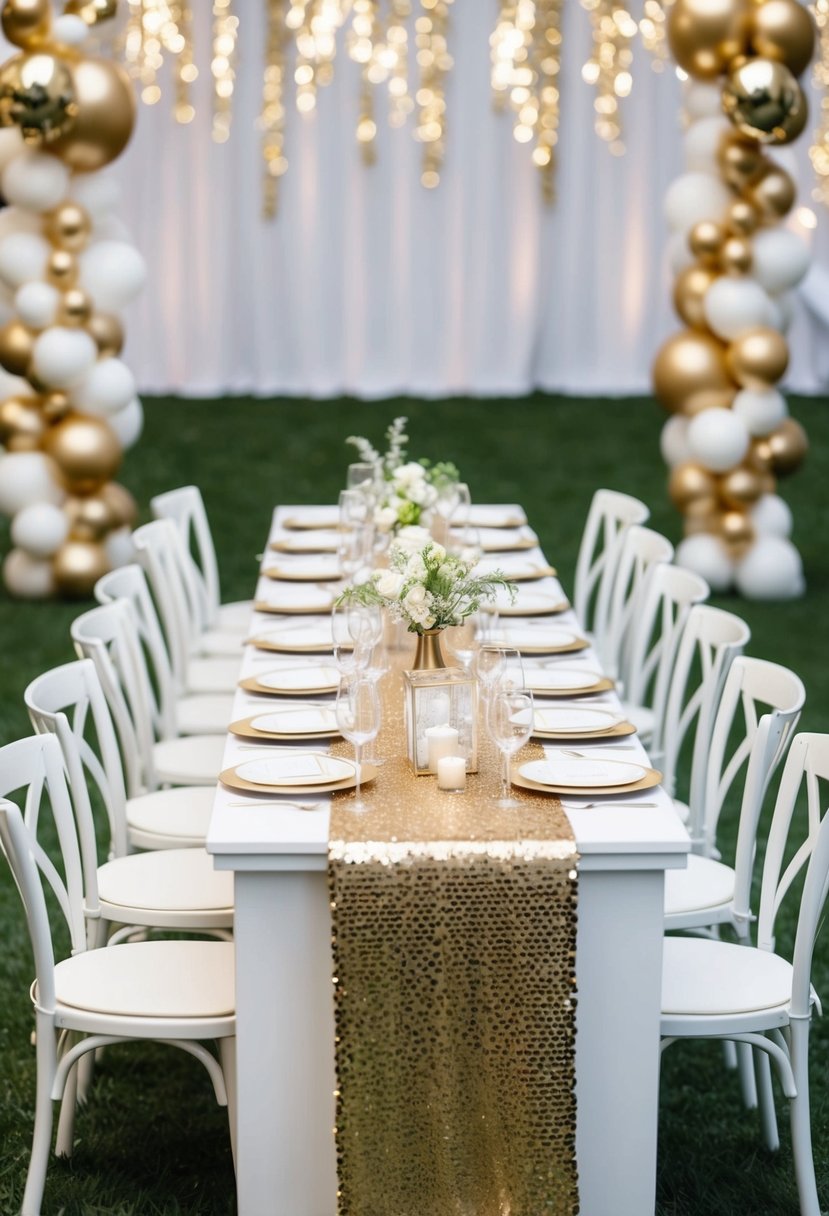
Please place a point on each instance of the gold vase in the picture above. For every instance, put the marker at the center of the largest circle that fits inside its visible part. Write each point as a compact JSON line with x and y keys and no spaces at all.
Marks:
{"x":428,"y":656}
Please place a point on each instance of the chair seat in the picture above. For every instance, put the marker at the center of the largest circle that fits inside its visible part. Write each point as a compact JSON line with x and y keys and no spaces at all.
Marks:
{"x":165,"y":979}
{"x":234,"y":616}
{"x":641,"y":717}
{"x":703,"y":978}
{"x":175,"y":880}
{"x":221,"y":643}
{"x":170,"y":819}
{"x":705,"y":884}
{"x":204,"y":714}
{"x":189,"y":760}
{"x":213,"y":675}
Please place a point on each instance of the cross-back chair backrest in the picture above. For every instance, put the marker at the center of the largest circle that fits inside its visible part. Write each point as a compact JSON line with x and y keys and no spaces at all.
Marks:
{"x":159,"y":552}
{"x":711,"y":640}
{"x":640,"y":550}
{"x":68,"y":702}
{"x":185,"y":507}
{"x":107,"y":635}
{"x":788,"y":852}
{"x":610,"y":514}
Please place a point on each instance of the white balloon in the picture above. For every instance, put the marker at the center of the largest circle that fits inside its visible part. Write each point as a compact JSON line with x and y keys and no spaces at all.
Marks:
{"x":762,"y":410}
{"x":718,"y":439}
{"x":679,"y":252}
{"x":37,"y":304}
{"x":783,"y":310}
{"x":27,"y":478}
{"x":119,"y":547}
{"x":28,"y":577}
{"x":111,"y":228}
{"x":702,"y":100}
{"x":97,"y":193}
{"x":12,"y":386}
{"x":40,"y":529}
{"x":771,"y":570}
{"x":70,"y":30}
{"x":673,"y":442}
{"x":23,"y":256}
{"x":772,"y":516}
{"x":128,"y":423}
{"x":702,"y":143}
{"x":708,"y":557}
{"x":780,"y":259}
{"x":35,"y":181}
{"x":113,"y":273}
{"x":733,"y":305}
{"x":11,"y":144}
{"x":62,"y":357}
{"x":108,"y":388}
{"x":695,"y":197}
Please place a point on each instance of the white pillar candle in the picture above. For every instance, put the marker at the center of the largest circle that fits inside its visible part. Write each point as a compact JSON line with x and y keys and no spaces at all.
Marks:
{"x":440,"y":741}
{"x":452,"y":773}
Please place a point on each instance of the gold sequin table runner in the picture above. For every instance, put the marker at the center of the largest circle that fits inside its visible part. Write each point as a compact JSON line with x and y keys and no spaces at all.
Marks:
{"x":454,"y":936}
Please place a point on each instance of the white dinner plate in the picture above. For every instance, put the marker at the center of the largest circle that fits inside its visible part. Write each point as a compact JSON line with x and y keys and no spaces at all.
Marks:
{"x":543,"y":679}
{"x":586,"y":774}
{"x":496,"y":515}
{"x":529,"y":602}
{"x":573,"y":720}
{"x":296,"y":720}
{"x":535,"y":637}
{"x":296,"y":768}
{"x":515,"y":566}
{"x":305,"y":566}
{"x":317,"y":540}
{"x":290,"y":638}
{"x":317,"y":516}
{"x":291,"y":599}
{"x":301,"y":679}
{"x":501,"y":540}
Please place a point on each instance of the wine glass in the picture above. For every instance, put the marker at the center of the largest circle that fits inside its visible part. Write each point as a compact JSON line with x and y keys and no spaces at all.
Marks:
{"x":493,"y":663}
{"x":464,"y":640}
{"x":354,"y":550}
{"x":354,"y":630}
{"x":465,"y":542}
{"x":510,"y":723}
{"x":362,"y":476}
{"x":375,"y":667}
{"x":353,"y":509}
{"x":358,"y":719}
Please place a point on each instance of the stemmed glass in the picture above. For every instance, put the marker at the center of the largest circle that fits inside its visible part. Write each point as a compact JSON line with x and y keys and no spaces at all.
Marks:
{"x":355,"y":630}
{"x":465,"y":542}
{"x":362,"y":476}
{"x":358,"y":719}
{"x":463,"y":641}
{"x":510,"y":723}
{"x":498,"y":667}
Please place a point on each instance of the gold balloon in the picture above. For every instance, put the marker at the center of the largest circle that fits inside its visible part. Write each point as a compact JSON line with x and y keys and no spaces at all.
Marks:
{"x":85,"y":449}
{"x":689,"y":373}
{"x":736,"y":255}
{"x":107,"y":331}
{"x":77,"y":566}
{"x":121,"y":503}
{"x":765,"y":102}
{"x":55,"y":405}
{"x":705,"y":35}
{"x":21,"y":423}
{"x":773,"y":194}
{"x":788,"y":446}
{"x":16,"y":343}
{"x":742,"y":219}
{"x":705,"y":241}
{"x":68,"y":227}
{"x":92,"y":11}
{"x":75,"y":308}
{"x":758,"y":358}
{"x":737,"y":530}
{"x":693,"y":525}
{"x":37,"y":95}
{"x":62,"y":269}
{"x":105,"y":117}
{"x":740,"y":160}
{"x":741,"y":487}
{"x":705,"y":509}
{"x":690,"y":483}
{"x":784,"y":30}
{"x":90,"y":517}
{"x":26,"y":22}
{"x":689,"y":292}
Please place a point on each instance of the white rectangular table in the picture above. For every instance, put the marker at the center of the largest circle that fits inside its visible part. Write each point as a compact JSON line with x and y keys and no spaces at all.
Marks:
{"x":285,"y":1149}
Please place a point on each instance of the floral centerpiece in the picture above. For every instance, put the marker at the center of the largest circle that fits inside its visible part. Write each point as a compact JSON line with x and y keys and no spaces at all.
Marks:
{"x":407,"y":489}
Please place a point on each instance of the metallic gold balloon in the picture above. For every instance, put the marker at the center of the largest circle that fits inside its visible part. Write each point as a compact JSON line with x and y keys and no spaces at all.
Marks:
{"x":77,"y":566}
{"x":68,"y":227}
{"x":105,"y":117}
{"x":773,"y":194}
{"x":75,"y":308}
{"x":737,"y":530}
{"x":21,"y":424}
{"x":62,"y":269}
{"x":693,"y":525}
{"x":55,"y":405}
{"x":92,"y":11}
{"x":742,"y":219}
{"x":741,"y":487}
{"x":784,"y":30}
{"x":26,"y":23}
{"x":121,"y":503}
{"x":765,"y":102}
{"x":16,"y":343}
{"x":758,"y":358}
{"x":90,"y":517}
{"x":689,"y":373}
{"x":689,"y":483}
{"x":705,"y":35}
{"x":705,"y":241}
{"x":85,"y":449}
{"x":107,"y":331}
{"x":788,"y":444}
{"x":37,"y":95}
{"x":689,"y":292}
{"x":736,"y":255}
{"x":740,"y":160}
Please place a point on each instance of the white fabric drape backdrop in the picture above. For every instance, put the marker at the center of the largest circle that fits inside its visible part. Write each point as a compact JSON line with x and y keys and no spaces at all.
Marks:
{"x":368,"y":284}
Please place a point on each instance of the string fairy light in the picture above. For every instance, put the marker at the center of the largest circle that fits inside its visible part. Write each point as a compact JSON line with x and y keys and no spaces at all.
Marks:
{"x":819,"y":150}
{"x":608,"y":69}
{"x":653,"y":32}
{"x":435,"y":62}
{"x":272,"y":118}
{"x":223,"y":67}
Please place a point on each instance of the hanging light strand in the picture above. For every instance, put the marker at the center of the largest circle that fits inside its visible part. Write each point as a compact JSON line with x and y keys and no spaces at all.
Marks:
{"x":365,"y":46}
{"x":819,"y":150}
{"x":608,"y":69}
{"x":401,"y":103}
{"x":435,"y":62}
{"x":652,"y":30}
{"x":185,"y":71}
{"x":223,"y":67}
{"x":272,"y":117}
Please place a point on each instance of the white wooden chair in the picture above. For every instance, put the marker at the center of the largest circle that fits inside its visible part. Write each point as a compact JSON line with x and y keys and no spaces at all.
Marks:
{"x":751,"y":994}
{"x":158,"y":551}
{"x":639,"y":550}
{"x":109,"y":637}
{"x":193,"y":713}
{"x":176,"y":992}
{"x":173,"y":889}
{"x":610,"y":514}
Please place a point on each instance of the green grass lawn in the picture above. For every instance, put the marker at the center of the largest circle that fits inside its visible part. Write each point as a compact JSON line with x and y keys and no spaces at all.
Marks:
{"x":151,"y":1140}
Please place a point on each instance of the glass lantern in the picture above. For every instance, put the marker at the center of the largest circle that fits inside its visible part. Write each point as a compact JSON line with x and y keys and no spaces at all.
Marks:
{"x":437,"y":703}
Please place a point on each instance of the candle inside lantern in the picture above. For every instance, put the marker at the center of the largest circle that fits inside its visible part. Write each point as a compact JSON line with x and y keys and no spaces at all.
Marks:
{"x":452,"y":773}
{"x":441,"y":741}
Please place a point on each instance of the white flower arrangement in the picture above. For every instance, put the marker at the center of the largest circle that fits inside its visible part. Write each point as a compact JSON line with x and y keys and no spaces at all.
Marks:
{"x":408,"y":488}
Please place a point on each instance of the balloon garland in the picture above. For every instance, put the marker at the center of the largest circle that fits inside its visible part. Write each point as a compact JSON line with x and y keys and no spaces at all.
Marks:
{"x":68,"y":404}
{"x":730,"y":437}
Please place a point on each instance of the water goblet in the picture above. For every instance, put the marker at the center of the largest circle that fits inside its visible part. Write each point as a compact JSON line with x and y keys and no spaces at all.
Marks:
{"x":358,"y":720}
{"x":362,"y":476}
{"x":510,"y":723}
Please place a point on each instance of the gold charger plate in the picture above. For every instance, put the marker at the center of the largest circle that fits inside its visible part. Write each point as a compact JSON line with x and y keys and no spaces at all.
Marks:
{"x":619,"y":731}
{"x":251,"y":684}
{"x":284,"y":647}
{"x":244,"y":729}
{"x":566,"y":648}
{"x":305,"y":546}
{"x":604,"y":685}
{"x":281,"y":575}
{"x":231,"y":781}
{"x":529,"y":575}
{"x":652,"y":777}
{"x":292,"y":610}
{"x":295,"y":523}
{"x":515,"y":610}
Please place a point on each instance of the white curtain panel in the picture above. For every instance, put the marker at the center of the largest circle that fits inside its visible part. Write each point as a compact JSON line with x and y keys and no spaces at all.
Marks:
{"x":368,"y":284}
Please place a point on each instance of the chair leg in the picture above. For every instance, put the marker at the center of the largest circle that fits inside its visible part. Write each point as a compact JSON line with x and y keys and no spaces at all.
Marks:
{"x":729,"y":1052}
{"x":66,"y":1119}
{"x":748,"y":1085}
{"x":804,"y":1165}
{"x":227,"y":1054}
{"x":42,"y":1138}
{"x":768,"y":1112}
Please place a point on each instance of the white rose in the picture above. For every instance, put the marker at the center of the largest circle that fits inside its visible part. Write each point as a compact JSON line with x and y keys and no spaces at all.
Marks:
{"x":415,"y":567}
{"x":437,"y":552}
{"x":408,"y":474}
{"x":389,"y":584}
{"x":418,"y":492}
{"x":417,"y":597}
{"x":411,"y":539}
{"x":385,"y":518}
